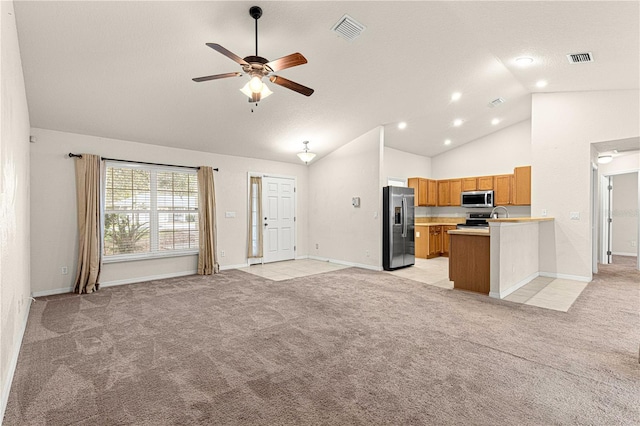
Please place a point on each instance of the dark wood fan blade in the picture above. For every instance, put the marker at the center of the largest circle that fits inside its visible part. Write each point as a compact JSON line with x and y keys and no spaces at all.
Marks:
{"x":288,"y":61}
{"x":217,"y":76}
{"x":227,"y":53}
{"x":296,"y":87}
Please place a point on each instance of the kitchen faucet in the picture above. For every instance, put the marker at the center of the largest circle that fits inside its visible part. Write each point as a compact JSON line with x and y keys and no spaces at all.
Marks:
{"x":506,"y":212}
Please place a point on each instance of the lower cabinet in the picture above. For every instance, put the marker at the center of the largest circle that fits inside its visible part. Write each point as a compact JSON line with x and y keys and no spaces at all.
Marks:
{"x":435,"y":241}
{"x":446,"y":238}
{"x":432,"y":241}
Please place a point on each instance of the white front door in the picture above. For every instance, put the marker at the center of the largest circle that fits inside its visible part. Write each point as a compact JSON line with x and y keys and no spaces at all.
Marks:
{"x":278,"y":208}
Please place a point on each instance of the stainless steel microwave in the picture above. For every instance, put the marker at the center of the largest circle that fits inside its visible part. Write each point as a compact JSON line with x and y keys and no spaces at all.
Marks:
{"x":476,"y":199}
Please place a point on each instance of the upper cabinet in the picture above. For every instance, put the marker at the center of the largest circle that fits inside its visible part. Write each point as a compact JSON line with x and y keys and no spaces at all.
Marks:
{"x":485,"y":183}
{"x":425,"y":191}
{"x":469,"y":184}
{"x":522,"y":186}
{"x":502,"y":190}
{"x":449,"y":192}
{"x":511,"y":189}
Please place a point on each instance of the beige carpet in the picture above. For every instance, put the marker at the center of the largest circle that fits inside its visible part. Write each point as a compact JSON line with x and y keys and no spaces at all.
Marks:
{"x":344,"y":347}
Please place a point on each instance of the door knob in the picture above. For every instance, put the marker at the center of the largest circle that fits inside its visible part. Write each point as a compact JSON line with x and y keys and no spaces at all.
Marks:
{"x":266,"y":224}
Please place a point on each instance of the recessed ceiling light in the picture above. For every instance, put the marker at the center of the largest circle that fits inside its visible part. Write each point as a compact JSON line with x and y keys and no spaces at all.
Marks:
{"x":541,"y":83}
{"x":455,"y":96}
{"x":495,"y":121}
{"x":524,"y":61}
{"x":457,"y":122}
{"x":447,"y":142}
{"x":402,"y":125}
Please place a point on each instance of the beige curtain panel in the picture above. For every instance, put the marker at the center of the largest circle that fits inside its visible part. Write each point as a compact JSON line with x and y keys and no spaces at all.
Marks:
{"x":207,"y":257}
{"x":254,"y":244}
{"x":88,"y":198}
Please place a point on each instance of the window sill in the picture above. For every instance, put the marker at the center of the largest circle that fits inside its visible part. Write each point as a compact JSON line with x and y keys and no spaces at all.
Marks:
{"x":146,"y":256}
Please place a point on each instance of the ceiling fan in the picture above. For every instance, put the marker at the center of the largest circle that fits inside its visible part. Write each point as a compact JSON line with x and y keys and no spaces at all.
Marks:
{"x":257,"y":67}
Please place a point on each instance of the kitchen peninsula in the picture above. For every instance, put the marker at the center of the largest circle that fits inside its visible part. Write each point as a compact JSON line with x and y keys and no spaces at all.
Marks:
{"x":499,"y":261}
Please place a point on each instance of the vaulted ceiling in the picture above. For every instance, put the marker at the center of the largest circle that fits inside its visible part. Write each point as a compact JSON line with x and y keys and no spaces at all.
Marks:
{"x":123,"y":70}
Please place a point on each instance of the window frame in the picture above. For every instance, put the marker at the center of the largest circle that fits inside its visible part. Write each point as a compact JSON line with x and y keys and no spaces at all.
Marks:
{"x":153,"y":212}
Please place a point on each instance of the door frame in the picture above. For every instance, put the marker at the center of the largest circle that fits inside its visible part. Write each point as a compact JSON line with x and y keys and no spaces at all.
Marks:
{"x":605,"y":203}
{"x":254,"y":261}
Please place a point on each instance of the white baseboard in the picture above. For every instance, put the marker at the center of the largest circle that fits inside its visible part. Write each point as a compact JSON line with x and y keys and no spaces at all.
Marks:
{"x":241,"y":265}
{"x":52,"y":292}
{"x":147,"y":278}
{"x":516,"y":286}
{"x":343,"y":262}
{"x":115,"y":283}
{"x":6,"y":388}
{"x":566,"y":277}
{"x":616,"y":253}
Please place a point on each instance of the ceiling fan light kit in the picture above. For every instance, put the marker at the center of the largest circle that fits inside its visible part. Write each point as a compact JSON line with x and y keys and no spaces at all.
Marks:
{"x":257,"y":67}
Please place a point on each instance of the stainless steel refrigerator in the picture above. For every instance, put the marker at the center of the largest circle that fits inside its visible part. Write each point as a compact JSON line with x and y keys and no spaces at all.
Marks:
{"x":398,"y":236}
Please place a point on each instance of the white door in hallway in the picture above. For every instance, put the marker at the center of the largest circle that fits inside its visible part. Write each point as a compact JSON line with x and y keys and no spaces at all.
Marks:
{"x":278,"y":208}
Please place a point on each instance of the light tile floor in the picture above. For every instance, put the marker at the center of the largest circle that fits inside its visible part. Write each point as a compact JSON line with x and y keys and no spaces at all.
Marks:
{"x":543,"y":292}
{"x":280,"y":271}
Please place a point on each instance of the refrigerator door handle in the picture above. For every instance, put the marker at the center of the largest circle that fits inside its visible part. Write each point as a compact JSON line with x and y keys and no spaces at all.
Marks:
{"x":404,"y":217}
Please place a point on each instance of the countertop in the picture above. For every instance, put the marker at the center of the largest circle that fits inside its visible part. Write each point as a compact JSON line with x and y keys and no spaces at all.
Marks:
{"x":468,"y":231}
{"x":520,"y":219}
{"x":435,"y":224}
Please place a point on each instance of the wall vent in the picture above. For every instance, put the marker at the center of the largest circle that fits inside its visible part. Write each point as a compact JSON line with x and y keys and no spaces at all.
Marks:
{"x":348,"y":28}
{"x":496,"y":102}
{"x":576,"y":58}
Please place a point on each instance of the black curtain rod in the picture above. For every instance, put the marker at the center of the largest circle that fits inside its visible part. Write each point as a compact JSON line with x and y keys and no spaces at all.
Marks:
{"x":139,"y":162}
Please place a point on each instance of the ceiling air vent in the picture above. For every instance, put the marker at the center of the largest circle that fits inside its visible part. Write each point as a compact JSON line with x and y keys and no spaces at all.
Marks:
{"x":348,"y":28}
{"x":496,"y":102}
{"x":576,"y":58}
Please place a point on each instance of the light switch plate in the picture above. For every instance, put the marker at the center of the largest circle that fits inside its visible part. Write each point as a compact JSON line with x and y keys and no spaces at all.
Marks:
{"x":229,"y":214}
{"x":574,"y":216}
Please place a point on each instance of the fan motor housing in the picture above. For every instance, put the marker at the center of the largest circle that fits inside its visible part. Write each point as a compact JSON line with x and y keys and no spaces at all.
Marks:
{"x":255,"y":12}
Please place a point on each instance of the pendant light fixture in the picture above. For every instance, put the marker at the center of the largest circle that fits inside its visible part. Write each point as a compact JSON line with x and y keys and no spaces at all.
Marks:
{"x":306,"y":155}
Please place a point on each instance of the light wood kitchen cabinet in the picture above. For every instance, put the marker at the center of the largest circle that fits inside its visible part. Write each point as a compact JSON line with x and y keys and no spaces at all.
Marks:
{"x":432,"y":192}
{"x":511,"y":189}
{"x":469,"y":184}
{"x":435,"y":241}
{"x":422,"y":241}
{"x":428,"y":240}
{"x":502,"y":190}
{"x":444,"y":197}
{"x":522,"y":186}
{"x":425,"y":191}
{"x":446,"y":238}
{"x":455,"y":188}
{"x":449,"y":192}
{"x":485,"y":183}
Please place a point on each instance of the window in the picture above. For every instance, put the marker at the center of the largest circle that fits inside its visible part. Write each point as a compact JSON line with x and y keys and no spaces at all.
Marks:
{"x":149,"y":211}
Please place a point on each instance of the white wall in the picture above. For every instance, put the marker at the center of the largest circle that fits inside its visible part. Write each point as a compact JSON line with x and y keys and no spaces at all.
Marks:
{"x":343,"y":233}
{"x":624,"y":229}
{"x":403,"y":165}
{"x":53,"y":216}
{"x":495,"y":154}
{"x":563,"y":127}
{"x":14,"y":202}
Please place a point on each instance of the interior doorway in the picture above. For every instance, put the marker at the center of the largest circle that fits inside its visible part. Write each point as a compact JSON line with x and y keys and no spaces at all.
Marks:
{"x":616,"y":203}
